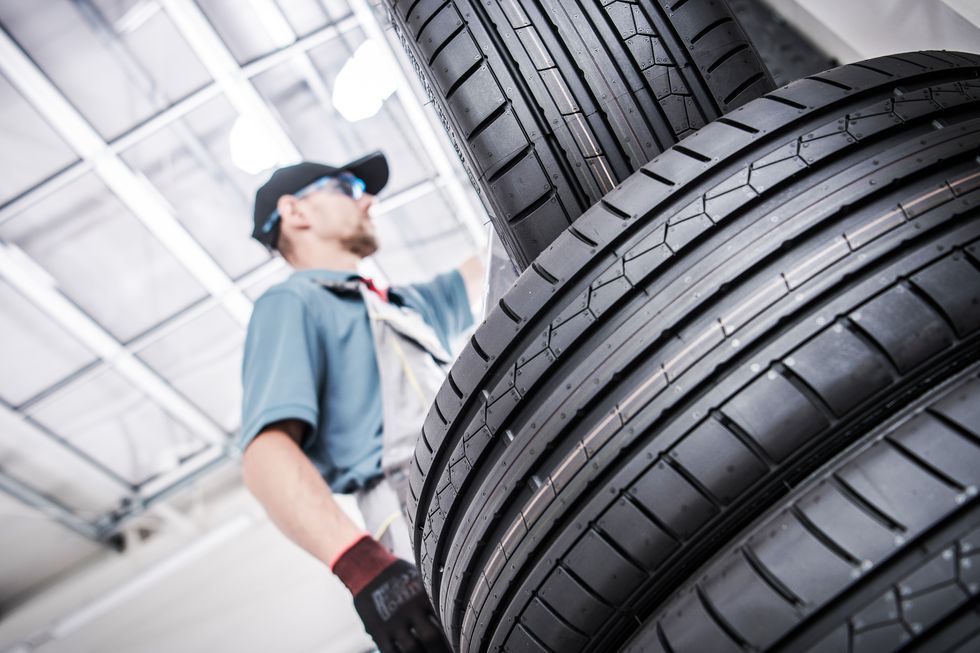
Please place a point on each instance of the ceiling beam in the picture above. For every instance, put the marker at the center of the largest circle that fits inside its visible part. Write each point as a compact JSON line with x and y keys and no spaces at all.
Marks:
{"x":49,"y":507}
{"x":32,"y":282}
{"x":132,"y":188}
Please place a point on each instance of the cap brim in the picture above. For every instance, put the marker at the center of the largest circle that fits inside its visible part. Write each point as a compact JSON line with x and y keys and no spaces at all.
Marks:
{"x":372,"y":169}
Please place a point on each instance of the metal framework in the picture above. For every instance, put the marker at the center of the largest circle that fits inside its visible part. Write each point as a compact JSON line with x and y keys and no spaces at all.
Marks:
{"x":145,"y":202}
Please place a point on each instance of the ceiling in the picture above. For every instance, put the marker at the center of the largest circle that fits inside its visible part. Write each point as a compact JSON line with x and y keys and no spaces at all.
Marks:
{"x":135,"y":133}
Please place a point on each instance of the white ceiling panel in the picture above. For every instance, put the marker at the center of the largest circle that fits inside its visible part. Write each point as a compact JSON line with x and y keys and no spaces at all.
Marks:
{"x":307,"y":16}
{"x":34,"y":458}
{"x":103,"y":258}
{"x":105,"y":416}
{"x":189,"y":163}
{"x":36,"y":353}
{"x":241,"y":28}
{"x":39,"y":152}
{"x":203,"y":360}
{"x":117,"y":72}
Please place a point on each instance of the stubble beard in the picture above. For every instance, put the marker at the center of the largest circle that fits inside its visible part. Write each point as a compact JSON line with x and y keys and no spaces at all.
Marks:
{"x":363,"y":243}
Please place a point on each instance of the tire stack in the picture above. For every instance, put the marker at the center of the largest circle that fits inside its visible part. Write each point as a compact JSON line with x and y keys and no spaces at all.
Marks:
{"x":735,"y":404}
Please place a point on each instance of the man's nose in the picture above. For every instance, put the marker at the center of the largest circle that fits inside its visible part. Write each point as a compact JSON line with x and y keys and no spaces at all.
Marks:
{"x":366,"y":201}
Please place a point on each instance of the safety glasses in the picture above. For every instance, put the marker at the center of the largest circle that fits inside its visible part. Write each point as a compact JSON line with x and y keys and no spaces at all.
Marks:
{"x":344,"y":183}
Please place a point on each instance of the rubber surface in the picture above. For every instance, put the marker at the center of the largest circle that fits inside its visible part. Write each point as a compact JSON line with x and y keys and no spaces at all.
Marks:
{"x":879,"y":552}
{"x":551,"y":103}
{"x":715,"y":328}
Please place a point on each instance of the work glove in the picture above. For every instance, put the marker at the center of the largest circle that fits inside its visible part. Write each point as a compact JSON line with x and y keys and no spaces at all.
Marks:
{"x":389,"y":599}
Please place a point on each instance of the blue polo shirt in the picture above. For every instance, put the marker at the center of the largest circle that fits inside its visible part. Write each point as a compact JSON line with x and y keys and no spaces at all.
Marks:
{"x":309,"y":355}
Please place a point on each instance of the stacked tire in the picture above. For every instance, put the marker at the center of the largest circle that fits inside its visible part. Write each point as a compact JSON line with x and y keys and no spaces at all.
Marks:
{"x":735,"y":405}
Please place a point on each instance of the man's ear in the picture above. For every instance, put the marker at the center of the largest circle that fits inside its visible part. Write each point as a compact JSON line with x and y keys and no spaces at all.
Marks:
{"x":291,"y":212}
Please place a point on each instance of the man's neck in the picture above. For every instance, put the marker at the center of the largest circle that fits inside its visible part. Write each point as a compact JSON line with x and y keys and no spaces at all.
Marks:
{"x":327,"y":259}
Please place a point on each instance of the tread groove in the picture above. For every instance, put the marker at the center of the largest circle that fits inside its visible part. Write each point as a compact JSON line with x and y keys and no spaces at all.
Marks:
{"x":769,"y":578}
{"x":830,"y":82}
{"x":927,"y":467}
{"x":865,"y":506}
{"x":693,"y":481}
{"x":822,"y":537}
{"x":737,"y":125}
{"x":431,"y":18}
{"x":462,"y":79}
{"x":581,"y":583}
{"x":653,"y":175}
{"x":509,"y":312}
{"x":479,"y":350}
{"x":510,"y":164}
{"x":725,"y":57}
{"x":532,"y":207}
{"x":615,"y":546}
{"x":578,"y":235}
{"x":806,"y":390}
{"x":662,"y":638}
{"x":535,"y":638}
{"x":653,"y":518}
{"x":880,"y":352}
{"x":954,"y":426}
{"x":772,"y":97}
{"x":544,"y":274}
{"x":744,"y":85}
{"x":873,"y":69}
{"x":452,"y":384}
{"x":442,"y":46}
{"x":715,"y":616}
{"x":697,"y":156}
{"x":484,"y":124}
{"x":931,"y":303}
{"x":742,"y":436}
{"x":710,"y":26}
{"x":615,"y":210}
{"x":559,"y":618}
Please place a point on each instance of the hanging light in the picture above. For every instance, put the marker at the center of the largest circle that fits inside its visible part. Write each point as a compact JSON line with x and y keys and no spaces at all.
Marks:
{"x":251,"y":150}
{"x":365,"y":82}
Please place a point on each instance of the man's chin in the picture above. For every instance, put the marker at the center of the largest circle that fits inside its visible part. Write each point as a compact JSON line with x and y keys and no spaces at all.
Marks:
{"x":362,"y":246}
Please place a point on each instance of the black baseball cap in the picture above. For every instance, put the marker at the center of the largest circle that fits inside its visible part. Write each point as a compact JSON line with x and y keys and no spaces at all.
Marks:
{"x":372,"y":169}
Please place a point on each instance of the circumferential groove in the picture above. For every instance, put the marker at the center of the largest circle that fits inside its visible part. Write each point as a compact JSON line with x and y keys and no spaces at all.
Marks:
{"x":700,"y":35}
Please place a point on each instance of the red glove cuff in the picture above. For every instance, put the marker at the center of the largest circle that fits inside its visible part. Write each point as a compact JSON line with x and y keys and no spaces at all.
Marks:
{"x":361,"y":563}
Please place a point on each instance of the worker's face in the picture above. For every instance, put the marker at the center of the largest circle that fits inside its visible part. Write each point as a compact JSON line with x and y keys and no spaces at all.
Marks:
{"x":335,"y":216}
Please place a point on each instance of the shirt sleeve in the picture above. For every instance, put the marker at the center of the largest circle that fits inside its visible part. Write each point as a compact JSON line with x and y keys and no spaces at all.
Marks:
{"x":282,"y":367}
{"x":443,"y":304}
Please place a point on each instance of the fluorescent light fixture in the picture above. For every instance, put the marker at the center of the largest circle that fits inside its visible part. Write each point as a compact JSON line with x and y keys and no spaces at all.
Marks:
{"x":251,"y":150}
{"x":365,"y":82}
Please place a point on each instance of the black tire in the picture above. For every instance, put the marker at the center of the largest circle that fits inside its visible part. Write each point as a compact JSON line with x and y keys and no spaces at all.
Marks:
{"x":787,"y":53}
{"x":552,"y":103}
{"x":880,"y":551}
{"x":738,"y":294}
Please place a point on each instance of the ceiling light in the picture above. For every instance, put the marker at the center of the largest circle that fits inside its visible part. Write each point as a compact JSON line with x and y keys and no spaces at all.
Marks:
{"x":364,"y":83}
{"x":251,"y":150}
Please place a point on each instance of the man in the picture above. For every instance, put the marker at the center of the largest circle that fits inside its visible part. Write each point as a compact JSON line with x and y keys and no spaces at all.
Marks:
{"x":338,"y":375}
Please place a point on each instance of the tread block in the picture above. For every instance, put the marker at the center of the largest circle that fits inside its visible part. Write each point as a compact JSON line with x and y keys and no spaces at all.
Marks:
{"x":672,"y":500}
{"x":954,"y":285}
{"x":708,"y":636}
{"x":459,"y":56}
{"x":718,"y":460}
{"x":644,"y":541}
{"x":884,"y":478}
{"x":476,"y":100}
{"x":948,"y":452}
{"x":962,"y":408}
{"x":777,"y":415}
{"x":905,"y":327}
{"x":840,"y":368}
{"x":799,"y":561}
{"x":846,"y":524}
{"x":574,"y":603}
{"x":551,"y":631}
{"x":615,"y":579}
{"x":740,"y":596}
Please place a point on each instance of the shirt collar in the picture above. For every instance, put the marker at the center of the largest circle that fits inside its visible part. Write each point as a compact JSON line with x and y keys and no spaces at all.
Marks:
{"x":324,"y":273}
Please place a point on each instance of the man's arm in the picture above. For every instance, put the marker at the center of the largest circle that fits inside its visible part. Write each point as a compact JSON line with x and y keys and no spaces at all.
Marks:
{"x":473,"y":272}
{"x":295,"y":496}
